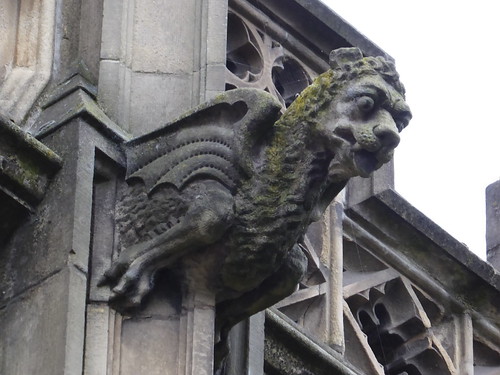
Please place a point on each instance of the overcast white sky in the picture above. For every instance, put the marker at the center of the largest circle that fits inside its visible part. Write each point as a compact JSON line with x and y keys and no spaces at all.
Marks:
{"x":448,"y":56}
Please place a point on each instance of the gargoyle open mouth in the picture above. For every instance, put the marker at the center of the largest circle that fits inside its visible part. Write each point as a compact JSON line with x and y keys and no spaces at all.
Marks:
{"x":366,"y":162}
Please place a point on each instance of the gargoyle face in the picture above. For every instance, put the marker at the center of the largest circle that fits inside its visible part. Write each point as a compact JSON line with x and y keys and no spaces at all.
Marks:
{"x":367,"y":118}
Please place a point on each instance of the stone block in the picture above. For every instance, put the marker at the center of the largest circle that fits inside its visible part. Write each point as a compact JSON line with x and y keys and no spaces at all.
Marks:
{"x":142,"y":102}
{"x":151,"y":108}
{"x":359,"y":188}
{"x":31,"y":29}
{"x":149,"y":346}
{"x":98,"y":326}
{"x":159,"y":47}
{"x":8,"y":21}
{"x":89,"y":41}
{"x":26,"y":166}
{"x":111,"y":41}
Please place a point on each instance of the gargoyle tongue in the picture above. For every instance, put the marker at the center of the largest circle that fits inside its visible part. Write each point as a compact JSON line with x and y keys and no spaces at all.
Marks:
{"x":366,"y":162}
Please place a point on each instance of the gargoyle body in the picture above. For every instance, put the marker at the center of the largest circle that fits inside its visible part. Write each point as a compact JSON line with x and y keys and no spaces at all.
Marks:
{"x":237,"y":179}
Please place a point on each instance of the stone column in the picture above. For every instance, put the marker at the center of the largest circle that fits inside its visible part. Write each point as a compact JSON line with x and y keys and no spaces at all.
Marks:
{"x":493,"y":224}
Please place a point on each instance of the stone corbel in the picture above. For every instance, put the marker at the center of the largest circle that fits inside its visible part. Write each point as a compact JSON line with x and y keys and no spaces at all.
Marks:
{"x":26,"y":166}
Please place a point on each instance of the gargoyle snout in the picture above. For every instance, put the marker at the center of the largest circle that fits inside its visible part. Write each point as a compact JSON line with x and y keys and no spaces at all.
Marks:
{"x":387,"y":136}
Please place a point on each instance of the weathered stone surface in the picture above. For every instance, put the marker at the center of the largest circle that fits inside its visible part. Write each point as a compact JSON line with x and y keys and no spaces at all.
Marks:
{"x":145,"y":343}
{"x":246,"y":356}
{"x":26,"y":164}
{"x":58,"y":233}
{"x":42,"y":329}
{"x":42,"y":245}
{"x":140,"y":87}
{"x":74,"y":99}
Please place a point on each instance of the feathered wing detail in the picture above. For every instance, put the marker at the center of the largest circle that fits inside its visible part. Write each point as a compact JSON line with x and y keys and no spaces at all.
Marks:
{"x":205,"y":150}
{"x":212,"y":142}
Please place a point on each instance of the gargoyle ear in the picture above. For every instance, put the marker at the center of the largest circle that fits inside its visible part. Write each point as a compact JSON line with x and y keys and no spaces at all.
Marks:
{"x":339,"y":57}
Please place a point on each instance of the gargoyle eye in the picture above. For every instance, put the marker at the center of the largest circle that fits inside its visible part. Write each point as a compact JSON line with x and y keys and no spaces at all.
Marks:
{"x":365,"y":104}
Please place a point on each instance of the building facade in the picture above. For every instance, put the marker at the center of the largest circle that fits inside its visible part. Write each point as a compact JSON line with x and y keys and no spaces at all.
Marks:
{"x":386,"y":290}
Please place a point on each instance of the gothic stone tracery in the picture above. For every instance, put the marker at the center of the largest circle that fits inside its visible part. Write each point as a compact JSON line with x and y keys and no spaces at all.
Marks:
{"x":255,"y":60}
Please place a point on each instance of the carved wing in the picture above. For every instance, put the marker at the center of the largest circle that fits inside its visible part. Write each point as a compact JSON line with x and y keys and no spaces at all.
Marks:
{"x":214,"y":141}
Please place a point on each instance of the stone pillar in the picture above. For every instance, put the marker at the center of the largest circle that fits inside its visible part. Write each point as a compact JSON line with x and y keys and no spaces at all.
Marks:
{"x":493,"y":224}
{"x":335,"y":263}
{"x":196,"y":333}
{"x":360,"y":189}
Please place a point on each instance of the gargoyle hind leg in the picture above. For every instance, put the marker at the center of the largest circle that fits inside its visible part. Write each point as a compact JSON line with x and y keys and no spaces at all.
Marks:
{"x":209,"y":215}
{"x":276,"y":287}
{"x":279,"y":285}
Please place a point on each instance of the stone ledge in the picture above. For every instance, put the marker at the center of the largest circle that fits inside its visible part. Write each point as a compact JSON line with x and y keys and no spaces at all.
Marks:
{"x":289,"y":350}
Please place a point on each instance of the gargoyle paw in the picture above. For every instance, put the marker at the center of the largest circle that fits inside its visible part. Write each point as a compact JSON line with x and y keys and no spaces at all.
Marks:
{"x":132,"y":287}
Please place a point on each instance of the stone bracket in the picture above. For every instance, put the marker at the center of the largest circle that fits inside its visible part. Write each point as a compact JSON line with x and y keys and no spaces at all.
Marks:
{"x":26,"y":166}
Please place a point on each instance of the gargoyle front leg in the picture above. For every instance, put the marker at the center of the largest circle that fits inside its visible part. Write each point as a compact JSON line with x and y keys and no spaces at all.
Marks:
{"x":209,"y":215}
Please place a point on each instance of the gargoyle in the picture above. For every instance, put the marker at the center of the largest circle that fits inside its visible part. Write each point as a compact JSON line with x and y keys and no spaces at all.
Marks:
{"x":237,"y":179}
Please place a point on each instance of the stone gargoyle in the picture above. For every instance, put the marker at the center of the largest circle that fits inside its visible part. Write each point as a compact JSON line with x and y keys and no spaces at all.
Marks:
{"x":240,"y":182}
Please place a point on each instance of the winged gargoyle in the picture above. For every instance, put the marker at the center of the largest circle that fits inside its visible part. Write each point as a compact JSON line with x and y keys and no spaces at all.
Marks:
{"x":237,"y":179}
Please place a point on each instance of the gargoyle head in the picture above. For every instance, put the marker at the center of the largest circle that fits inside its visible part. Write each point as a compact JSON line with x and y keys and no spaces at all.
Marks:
{"x":356,"y":111}
{"x":369,"y":113}
{"x":364,"y":119}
